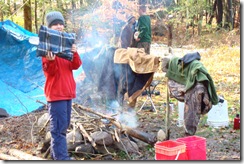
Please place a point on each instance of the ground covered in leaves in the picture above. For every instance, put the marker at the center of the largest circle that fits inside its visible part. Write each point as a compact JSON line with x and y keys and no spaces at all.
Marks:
{"x":222,"y":62}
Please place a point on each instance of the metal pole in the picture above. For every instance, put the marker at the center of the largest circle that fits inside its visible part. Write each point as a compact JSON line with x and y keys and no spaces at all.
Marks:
{"x":167,"y":121}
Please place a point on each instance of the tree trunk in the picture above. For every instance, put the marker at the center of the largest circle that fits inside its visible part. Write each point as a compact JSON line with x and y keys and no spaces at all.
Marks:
{"x":225,"y":14}
{"x":239,"y":16}
{"x":199,"y":24}
{"x":170,"y":34}
{"x":1,"y":16}
{"x":9,"y":9}
{"x":43,"y":14}
{"x":73,"y":4}
{"x":219,"y":15}
{"x":58,"y":4}
{"x":234,"y":13}
{"x":213,"y":11}
{"x":36,"y":22}
{"x":50,"y":2}
{"x":15,"y":6}
{"x":81,"y":3}
{"x":230,"y":15}
{"x":27,"y":15}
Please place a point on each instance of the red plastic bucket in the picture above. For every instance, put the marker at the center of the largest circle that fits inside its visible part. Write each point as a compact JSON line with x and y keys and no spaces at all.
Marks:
{"x":195,"y":147}
{"x":170,"y":150}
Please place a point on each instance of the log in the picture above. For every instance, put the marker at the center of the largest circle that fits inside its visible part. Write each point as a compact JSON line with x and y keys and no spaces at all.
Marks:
{"x":43,"y":128}
{"x":22,"y":155}
{"x":85,"y":134}
{"x":7,"y":157}
{"x":145,"y":137}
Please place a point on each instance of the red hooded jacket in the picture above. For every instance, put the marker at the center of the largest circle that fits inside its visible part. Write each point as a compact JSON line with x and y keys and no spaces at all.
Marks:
{"x":60,"y":83}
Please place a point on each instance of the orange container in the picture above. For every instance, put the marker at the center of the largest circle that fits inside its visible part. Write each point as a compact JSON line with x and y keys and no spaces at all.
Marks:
{"x":195,"y":147}
{"x":170,"y":150}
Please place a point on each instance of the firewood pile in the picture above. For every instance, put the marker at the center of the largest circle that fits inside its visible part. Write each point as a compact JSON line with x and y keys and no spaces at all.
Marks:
{"x":95,"y":135}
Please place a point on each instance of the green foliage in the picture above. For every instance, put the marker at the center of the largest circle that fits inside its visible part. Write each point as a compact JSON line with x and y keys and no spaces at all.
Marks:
{"x":161,"y":14}
{"x":209,"y":27}
{"x":18,"y":20}
{"x":150,"y":149}
{"x":4,"y":7}
{"x":122,"y":155}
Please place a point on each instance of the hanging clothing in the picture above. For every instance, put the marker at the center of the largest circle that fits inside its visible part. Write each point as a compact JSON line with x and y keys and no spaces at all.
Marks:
{"x":190,"y":74}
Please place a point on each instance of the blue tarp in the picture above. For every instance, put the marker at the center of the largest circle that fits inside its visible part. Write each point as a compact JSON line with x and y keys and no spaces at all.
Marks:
{"x":21,"y":76}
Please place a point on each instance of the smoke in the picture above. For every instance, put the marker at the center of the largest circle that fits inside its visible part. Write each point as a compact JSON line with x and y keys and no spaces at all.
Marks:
{"x":128,"y":118}
{"x":125,"y":116}
{"x":98,"y":89}
{"x":96,"y":29}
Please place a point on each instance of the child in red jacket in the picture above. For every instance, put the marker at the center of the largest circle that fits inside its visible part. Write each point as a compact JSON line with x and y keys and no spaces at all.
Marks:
{"x":60,"y":89}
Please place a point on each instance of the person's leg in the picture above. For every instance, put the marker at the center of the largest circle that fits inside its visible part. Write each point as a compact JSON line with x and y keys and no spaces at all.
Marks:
{"x":58,"y":127}
{"x":120,"y":81}
{"x":193,"y":108}
{"x":147,"y":47}
{"x":144,"y":45}
{"x":69,"y":109}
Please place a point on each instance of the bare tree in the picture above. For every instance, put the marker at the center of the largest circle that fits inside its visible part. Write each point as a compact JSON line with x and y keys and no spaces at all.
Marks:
{"x":228,"y":15}
{"x":15,"y":6}
{"x":73,"y":4}
{"x":9,"y":9}
{"x":219,"y":14}
{"x":81,"y":2}
{"x":213,"y":12}
{"x":36,"y":21}
{"x":27,"y":15}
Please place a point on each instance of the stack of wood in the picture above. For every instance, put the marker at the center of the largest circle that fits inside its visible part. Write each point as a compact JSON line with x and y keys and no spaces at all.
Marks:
{"x":92,"y":134}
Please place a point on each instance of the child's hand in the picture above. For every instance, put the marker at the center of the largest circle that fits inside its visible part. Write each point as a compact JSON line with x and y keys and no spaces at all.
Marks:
{"x":50,"y":56}
{"x":73,"y":48}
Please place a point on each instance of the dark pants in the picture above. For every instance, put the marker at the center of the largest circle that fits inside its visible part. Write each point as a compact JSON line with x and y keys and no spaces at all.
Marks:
{"x":125,"y":78}
{"x":197,"y":103}
{"x":144,"y":45}
{"x":59,"y":112}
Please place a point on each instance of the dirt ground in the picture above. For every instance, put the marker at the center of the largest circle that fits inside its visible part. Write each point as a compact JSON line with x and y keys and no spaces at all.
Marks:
{"x":21,"y":132}
{"x":221,"y":143}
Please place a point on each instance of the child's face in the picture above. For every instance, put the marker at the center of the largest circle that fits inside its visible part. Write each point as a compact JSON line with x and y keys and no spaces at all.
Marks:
{"x":58,"y":27}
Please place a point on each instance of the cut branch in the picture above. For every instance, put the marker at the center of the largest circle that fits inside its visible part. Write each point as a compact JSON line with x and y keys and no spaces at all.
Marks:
{"x":85,"y":134}
{"x":145,"y":137}
{"x":7,"y":157}
{"x":43,"y":128}
{"x":22,"y":155}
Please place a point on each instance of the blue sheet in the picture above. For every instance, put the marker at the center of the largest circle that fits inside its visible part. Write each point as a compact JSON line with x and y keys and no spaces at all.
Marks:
{"x":21,"y":76}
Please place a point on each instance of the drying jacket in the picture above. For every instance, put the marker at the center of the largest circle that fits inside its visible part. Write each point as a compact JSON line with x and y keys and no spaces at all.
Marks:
{"x":191,"y":73}
{"x":60,"y":83}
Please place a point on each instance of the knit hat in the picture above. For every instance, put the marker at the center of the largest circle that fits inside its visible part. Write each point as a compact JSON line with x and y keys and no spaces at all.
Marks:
{"x":54,"y":17}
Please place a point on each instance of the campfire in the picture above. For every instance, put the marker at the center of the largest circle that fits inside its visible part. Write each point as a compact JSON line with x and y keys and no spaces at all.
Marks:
{"x":94,"y":134}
